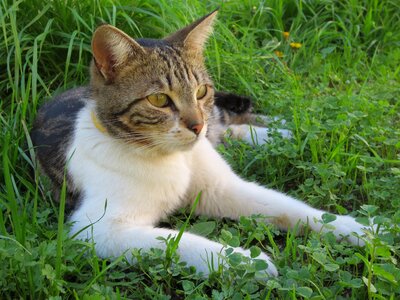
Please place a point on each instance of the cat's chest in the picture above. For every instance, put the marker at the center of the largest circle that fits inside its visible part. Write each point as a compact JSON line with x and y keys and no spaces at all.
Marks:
{"x":105,"y":169}
{"x":133,"y":177}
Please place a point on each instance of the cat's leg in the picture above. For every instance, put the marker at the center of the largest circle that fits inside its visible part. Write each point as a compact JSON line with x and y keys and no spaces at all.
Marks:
{"x":255,"y":135}
{"x":224,"y":194}
{"x":113,"y":240}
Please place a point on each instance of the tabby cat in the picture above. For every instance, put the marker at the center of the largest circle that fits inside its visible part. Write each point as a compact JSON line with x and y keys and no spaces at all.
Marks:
{"x":140,"y":138}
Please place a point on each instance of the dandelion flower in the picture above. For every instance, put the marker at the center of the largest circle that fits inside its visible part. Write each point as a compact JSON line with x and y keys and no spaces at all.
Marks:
{"x":295,"y":45}
{"x":278,"y":53}
{"x":286,"y":35}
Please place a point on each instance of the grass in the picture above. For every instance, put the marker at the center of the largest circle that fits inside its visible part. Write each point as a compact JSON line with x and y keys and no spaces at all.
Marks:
{"x":338,"y":92}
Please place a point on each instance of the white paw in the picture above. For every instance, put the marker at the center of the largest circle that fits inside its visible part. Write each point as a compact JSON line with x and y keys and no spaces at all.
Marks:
{"x":261,"y":135}
{"x":271,"y":269}
{"x":347,"y":227}
{"x":285,"y":133}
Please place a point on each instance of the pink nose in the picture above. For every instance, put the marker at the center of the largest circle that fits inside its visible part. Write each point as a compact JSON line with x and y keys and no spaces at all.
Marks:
{"x":196,"y":128}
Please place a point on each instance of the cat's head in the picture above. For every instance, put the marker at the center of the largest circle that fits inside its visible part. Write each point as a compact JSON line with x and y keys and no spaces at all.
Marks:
{"x":153,"y":94}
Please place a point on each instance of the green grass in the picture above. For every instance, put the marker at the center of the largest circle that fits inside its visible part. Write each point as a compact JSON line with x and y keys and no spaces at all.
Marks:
{"x":338,"y":92}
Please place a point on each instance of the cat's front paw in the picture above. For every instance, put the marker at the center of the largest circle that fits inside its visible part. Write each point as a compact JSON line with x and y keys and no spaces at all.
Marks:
{"x":346,"y":227}
{"x":271,"y":269}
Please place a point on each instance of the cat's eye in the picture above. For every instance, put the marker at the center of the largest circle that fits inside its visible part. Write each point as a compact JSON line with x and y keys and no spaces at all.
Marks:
{"x":158,"y":100}
{"x":201,"y":92}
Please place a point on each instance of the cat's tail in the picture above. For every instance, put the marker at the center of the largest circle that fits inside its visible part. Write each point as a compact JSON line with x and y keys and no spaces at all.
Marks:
{"x":233,"y":109}
{"x":229,"y":109}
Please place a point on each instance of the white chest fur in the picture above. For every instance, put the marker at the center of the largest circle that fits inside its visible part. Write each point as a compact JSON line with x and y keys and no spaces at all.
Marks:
{"x":138,"y":189}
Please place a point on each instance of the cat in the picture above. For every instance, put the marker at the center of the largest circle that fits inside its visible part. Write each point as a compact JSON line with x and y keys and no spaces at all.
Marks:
{"x":140,"y":139}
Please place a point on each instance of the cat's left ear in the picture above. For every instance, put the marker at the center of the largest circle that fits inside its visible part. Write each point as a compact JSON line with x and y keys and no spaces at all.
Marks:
{"x":194,"y":36}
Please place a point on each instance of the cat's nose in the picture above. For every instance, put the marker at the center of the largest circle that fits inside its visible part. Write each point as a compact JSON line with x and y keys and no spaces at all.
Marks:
{"x":196,"y":128}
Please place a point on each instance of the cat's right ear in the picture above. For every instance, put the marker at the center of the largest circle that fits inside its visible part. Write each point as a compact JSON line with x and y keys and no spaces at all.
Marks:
{"x":194,"y":36}
{"x":112,"y":48}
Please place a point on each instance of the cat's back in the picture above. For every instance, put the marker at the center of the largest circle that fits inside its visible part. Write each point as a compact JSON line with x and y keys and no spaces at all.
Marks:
{"x":53,"y":130}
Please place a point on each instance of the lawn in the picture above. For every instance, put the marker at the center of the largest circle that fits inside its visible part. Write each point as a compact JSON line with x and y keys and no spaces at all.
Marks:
{"x":331,"y":69}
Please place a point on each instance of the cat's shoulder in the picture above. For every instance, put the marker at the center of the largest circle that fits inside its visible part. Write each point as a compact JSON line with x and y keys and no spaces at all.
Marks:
{"x":65,"y":104}
{"x":54,"y":126}
{"x":57,"y":116}
{"x":52,"y":133}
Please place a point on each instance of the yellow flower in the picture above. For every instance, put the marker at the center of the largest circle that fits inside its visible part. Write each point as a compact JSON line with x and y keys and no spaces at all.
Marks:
{"x":286,"y":35}
{"x":278,"y":53}
{"x":295,"y":45}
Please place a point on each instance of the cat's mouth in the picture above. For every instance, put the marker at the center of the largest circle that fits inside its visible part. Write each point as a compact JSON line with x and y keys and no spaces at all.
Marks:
{"x":188,"y":137}
{"x":180,"y":143}
{"x":184,"y":140}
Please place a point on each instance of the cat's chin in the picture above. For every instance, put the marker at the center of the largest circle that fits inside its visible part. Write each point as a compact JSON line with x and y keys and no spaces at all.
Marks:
{"x":178,"y":147}
{"x":163,"y":149}
{"x":180,"y":144}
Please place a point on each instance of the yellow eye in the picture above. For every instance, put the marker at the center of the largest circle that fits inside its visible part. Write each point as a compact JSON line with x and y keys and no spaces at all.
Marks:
{"x":201,"y":92}
{"x":158,"y":100}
